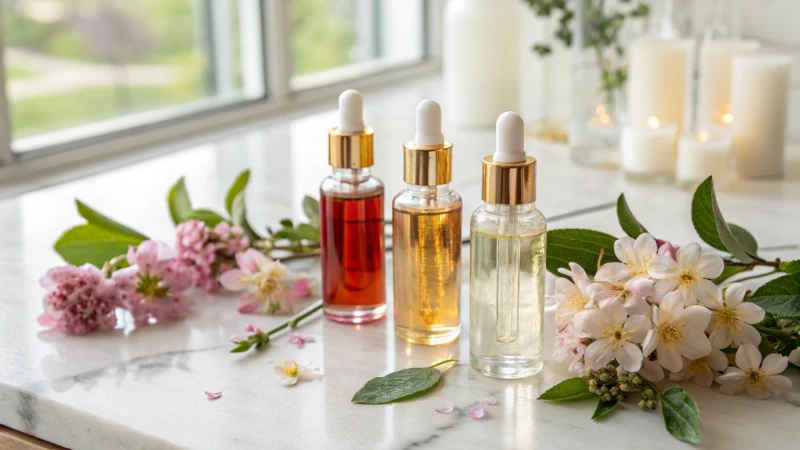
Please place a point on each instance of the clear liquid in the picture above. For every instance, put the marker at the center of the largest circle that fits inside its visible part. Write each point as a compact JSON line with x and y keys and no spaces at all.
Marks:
{"x":506,"y":342}
{"x":427,"y":274}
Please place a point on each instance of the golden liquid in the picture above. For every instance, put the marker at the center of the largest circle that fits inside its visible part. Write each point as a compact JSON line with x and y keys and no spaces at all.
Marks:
{"x":427,"y":274}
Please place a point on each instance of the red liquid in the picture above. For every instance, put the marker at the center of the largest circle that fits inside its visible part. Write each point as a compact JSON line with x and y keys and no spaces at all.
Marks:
{"x":353,"y":258}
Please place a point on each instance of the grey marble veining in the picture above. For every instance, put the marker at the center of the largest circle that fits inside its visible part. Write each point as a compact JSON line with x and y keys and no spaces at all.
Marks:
{"x":144,"y":388}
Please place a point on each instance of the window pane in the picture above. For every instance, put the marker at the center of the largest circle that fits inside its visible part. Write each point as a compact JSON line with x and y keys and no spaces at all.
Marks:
{"x":333,"y":40}
{"x":74,"y":63}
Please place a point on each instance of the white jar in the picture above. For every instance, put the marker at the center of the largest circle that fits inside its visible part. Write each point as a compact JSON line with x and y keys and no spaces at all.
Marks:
{"x":481,"y":59}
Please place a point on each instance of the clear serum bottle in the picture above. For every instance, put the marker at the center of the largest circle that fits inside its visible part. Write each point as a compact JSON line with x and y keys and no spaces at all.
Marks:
{"x":426,"y":237}
{"x":351,"y":222}
{"x":507,"y":246}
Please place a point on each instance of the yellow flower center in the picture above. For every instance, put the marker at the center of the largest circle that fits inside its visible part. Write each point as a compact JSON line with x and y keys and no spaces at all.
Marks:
{"x":753,"y":380}
{"x":265,"y":283}
{"x":686,"y":278}
{"x":725,"y":318}
{"x":670,"y":332}
{"x":617,"y":337}
{"x":576,"y":301}
{"x":149,"y":285}
{"x":699,"y":365}
{"x":290,"y":368}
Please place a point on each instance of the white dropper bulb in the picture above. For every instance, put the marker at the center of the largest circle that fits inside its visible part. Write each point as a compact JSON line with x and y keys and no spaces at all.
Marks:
{"x":429,"y":123}
{"x":351,"y":112}
{"x":510,"y":138}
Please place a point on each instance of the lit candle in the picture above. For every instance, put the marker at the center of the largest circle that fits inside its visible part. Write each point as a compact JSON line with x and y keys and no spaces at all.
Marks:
{"x":759,"y":93}
{"x":714,"y":91}
{"x":657,"y":79}
{"x":647,"y":152}
{"x":706,"y":152}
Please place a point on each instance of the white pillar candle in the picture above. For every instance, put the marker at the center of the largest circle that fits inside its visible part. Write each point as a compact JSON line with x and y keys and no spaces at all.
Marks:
{"x":657,"y":79}
{"x":648,"y":151}
{"x":481,"y":59}
{"x":714,"y":90}
{"x":706,"y":152}
{"x":759,"y":93}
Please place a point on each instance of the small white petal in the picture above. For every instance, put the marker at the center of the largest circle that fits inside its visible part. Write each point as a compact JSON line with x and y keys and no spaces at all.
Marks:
{"x":637,"y":328}
{"x":669,"y":358}
{"x":652,"y":370}
{"x":696,"y":317}
{"x":629,"y":357}
{"x":748,"y":358}
{"x":636,"y":306}
{"x":615,"y":273}
{"x":750,"y":313}
{"x":663,"y":288}
{"x":689,"y":254}
{"x":614,"y":313}
{"x":710,"y":266}
{"x":679,"y":376}
{"x":779,"y":382}
{"x":289,"y":381}
{"x":758,"y":392}
{"x":709,"y":296}
{"x":721,"y":338}
{"x":718,"y":361}
{"x":746,"y":334}
{"x":598,"y":354}
{"x":645,"y":246}
{"x":663,"y":267}
{"x":774,"y":364}
{"x":694,"y":345}
{"x":734,"y":294}
{"x":704,"y":377}
{"x":729,"y":387}
{"x":794,"y":357}
{"x":593,"y":322}
{"x":651,"y":342}
{"x":671,"y":308}
{"x":623,"y":248}
{"x":642,"y":287}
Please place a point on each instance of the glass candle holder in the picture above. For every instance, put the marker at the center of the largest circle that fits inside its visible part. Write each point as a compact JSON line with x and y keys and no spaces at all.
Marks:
{"x":647,"y":151}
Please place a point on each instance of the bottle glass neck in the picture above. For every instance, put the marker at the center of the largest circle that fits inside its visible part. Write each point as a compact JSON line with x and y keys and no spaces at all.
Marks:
{"x":428,"y":191}
{"x":503,"y":210}
{"x":352,"y":175}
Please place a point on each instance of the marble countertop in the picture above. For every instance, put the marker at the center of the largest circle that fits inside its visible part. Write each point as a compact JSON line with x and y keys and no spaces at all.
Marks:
{"x":144,"y":389}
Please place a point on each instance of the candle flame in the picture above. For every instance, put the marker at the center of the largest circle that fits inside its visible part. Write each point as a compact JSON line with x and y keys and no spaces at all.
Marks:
{"x":600,"y":110}
{"x":605,"y":119}
{"x":653,"y":122}
{"x":727,"y":118}
{"x":703,"y":136}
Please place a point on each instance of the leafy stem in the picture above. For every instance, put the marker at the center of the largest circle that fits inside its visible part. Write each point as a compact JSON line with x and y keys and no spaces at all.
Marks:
{"x":297,"y":319}
{"x":752,"y":277}
{"x":755,"y":263}
{"x":773,"y":332}
{"x":261,"y":338}
{"x":442,"y":362}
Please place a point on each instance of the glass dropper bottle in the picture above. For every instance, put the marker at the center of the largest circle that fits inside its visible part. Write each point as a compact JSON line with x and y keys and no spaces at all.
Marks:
{"x":426,"y":237}
{"x":507,"y":245}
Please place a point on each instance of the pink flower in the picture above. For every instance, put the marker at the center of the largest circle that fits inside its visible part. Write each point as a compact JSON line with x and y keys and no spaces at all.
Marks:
{"x":196,"y":251}
{"x":213,"y":395}
{"x":302,"y":288}
{"x":569,"y":346}
{"x":263,"y":278}
{"x":235,"y":339}
{"x":250,"y":328}
{"x":667,"y":249}
{"x":446,"y":409}
{"x":300,"y":340}
{"x":152,"y":287}
{"x":477,"y":413}
{"x":232,"y":238}
{"x":79,"y":300}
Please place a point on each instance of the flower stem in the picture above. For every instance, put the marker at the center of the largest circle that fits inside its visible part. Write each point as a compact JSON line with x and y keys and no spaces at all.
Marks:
{"x":442,"y":362}
{"x":753,"y":264}
{"x":773,"y":332}
{"x":751,"y":277}
{"x":297,"y":319}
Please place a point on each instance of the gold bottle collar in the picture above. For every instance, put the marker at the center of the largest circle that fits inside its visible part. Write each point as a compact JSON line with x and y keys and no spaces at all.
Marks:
{"x":509,"y":183}
{"x":350,"y":150}
{"x":427,"y":165}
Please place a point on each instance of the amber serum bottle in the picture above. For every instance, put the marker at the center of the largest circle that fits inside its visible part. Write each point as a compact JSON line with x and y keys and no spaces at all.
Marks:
{"x":426,"y":237}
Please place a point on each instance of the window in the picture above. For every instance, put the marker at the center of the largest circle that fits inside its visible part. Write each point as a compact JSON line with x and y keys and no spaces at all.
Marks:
{"x":83,"y":72}
{"x":81,"y":65}
{"x":334,"y":40}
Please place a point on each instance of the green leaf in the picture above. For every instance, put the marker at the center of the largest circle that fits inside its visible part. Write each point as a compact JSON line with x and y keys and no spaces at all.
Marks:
{"x":745,"y":238}
{"x":179,"y":204}
{"x":242,"y":346}
{"x":766,"y":347}
{"x":236,"y":188}
{"x":239,"y":217}
{"x":288,"y":234}
{"x":627,"y":221}
{"x":790,"y":267}
{"x":568,"y":390}
{"x":780,"y":305}
{"x":579,"y":246}
{"x":210,"y":218}
{"x":711,"y":226}
{"x":307,"y":232}
{"x":785,"y":285}
{"x":311,"y":208}
{"x":681,"y":416}
{"x":287,"y":223}
{"x":95,"y":218}
{"x":727,"y":272}
{"x":398,"y":385}
{"x":603,"y":408}
{"x":92,"y":244}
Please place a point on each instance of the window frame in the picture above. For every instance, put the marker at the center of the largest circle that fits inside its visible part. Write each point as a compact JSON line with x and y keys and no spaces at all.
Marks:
{"x":130,"y":133}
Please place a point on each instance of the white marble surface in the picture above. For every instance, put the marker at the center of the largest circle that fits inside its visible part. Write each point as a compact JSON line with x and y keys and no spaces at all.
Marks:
{"x":144,"y":389}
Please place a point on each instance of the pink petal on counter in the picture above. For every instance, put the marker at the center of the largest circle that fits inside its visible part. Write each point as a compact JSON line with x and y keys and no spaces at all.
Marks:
{"x":488,"y":400}
{"x":446,"y":410}
{"x":213,"y":395}
{"x":476,"y":413}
